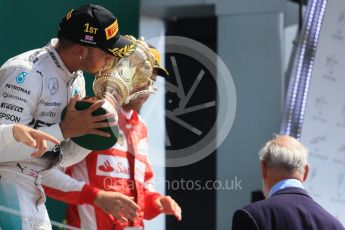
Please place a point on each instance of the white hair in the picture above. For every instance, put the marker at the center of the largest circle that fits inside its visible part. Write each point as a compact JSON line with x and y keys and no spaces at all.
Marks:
{"x":286,"y":153}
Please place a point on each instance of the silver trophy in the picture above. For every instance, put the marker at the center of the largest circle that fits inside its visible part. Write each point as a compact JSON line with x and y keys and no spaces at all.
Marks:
{"x":126,"y":79}
{"x":122,"y":78}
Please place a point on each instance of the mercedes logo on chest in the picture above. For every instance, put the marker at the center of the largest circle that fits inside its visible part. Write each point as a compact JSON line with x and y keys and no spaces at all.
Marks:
{"x":53,"y":86}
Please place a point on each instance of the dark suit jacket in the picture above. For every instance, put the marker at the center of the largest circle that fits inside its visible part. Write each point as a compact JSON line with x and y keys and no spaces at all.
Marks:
{"x":287,"y":209}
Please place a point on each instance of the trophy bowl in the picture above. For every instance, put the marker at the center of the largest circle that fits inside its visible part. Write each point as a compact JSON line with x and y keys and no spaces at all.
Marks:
{"x":122,"y":78}
{"x":92,"y":141}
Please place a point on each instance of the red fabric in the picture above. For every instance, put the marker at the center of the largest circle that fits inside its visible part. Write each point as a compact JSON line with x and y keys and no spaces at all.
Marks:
{"x":88,"y":194}
{"x":150,"y":208}
{"x":73,"y":216}
{"x":114,"y":170}
{"x":72,"y":197}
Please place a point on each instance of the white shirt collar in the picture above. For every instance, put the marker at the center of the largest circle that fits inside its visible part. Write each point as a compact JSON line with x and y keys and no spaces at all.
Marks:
{"x":285,"y":184}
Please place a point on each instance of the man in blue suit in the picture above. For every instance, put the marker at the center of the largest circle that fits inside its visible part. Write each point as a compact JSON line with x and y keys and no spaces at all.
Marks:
{"x":284,"y":168}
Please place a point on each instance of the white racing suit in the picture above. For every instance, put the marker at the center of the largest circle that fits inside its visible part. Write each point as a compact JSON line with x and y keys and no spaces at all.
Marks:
{"x":6,"y":136}
{"x":34,"y":89}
